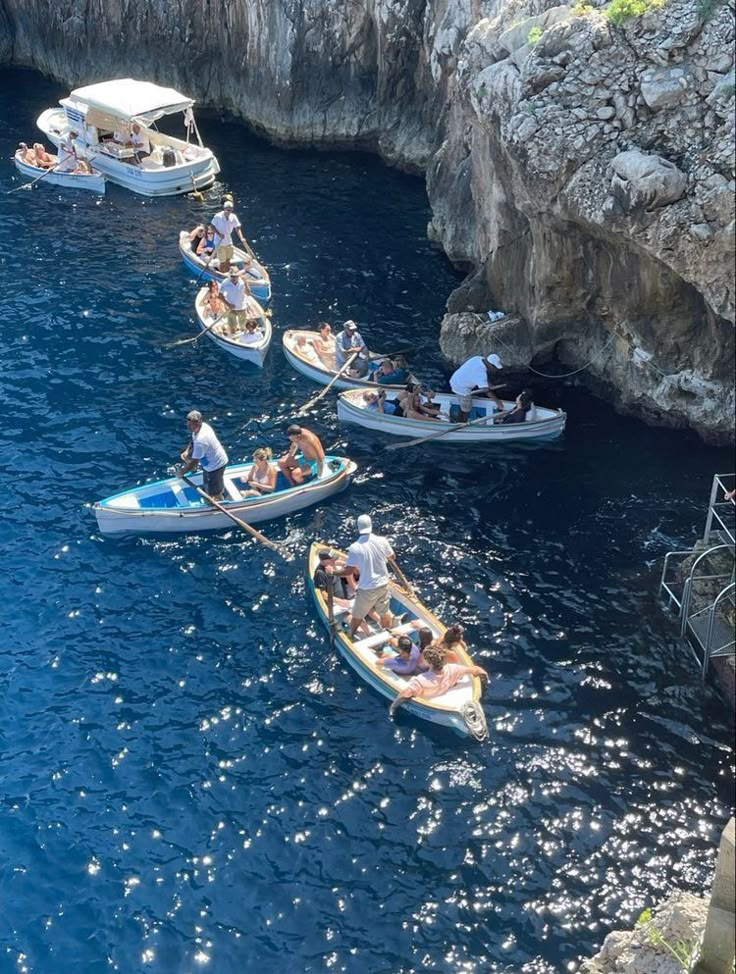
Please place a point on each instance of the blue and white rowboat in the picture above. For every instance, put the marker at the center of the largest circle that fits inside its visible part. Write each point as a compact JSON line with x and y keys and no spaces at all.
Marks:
{"x":255,"y":273}
{"x":214,"y":326}
{"x":459,"y":708}
{"x":171,"y":507}
{"x":319,"y":371}
{"x":69,"y":180}
{"x":545,"y":424}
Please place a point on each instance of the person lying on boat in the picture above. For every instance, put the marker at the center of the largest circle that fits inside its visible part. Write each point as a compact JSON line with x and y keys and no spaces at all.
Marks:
{"x":440,"y":678}
{"x":375,"y":402}
{"x":306,"y":350}
{"x":253,"y":334}
{"x":475,"y":379}
{"x":369,"y":556}
{"x":347,"y":343}
{"x":223,"y":225}
{"x":234,"y":292}
{"x":27,"y":154}
{"x":204,"y":449}
{"x":262,"y":475}
{"x":391,"y":372}
{"x":523,"y":410}
{"x":44,"y":160}
{"x":307,"y":443}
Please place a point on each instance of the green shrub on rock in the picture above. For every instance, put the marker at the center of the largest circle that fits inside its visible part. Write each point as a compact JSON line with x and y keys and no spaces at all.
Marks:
{"x":619,"y":11}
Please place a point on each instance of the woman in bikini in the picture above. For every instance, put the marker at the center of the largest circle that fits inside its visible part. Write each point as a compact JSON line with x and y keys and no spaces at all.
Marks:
{"x":262,"y":476}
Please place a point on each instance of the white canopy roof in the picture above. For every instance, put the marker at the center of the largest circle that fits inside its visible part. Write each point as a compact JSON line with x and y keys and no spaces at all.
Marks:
{"x":129,"y":99}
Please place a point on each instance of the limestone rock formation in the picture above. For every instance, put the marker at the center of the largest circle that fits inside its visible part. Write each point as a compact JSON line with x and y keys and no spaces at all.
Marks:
{"x":583,"y":171}
{"x":679,"y":920}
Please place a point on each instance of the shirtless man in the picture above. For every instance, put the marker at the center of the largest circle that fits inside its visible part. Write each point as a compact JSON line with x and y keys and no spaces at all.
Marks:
{"x":308,"y":443}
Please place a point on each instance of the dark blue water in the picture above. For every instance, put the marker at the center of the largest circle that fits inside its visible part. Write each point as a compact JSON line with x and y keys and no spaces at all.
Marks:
{"x":190,"y":780}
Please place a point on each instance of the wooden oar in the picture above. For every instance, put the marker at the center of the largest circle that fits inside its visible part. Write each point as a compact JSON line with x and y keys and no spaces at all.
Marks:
{"x":402,"y":578}
{"x":187,"y":341}
{"x":444,"y":432}
{"x":400,"y":351}
{"x":207,"y":264}
{"x":331,"y":612}
{"x":34,"y":181}
{"x":241,"y":524}
{"x":330,"y":384}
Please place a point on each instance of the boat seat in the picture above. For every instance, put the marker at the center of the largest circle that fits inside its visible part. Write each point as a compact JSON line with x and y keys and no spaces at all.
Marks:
{"x":178,"y":492}
{"x":232,"y":490}
{"x":378,"y":638}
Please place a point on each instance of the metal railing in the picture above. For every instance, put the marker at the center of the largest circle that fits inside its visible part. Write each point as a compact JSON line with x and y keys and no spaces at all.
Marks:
{"x":721,"y":511}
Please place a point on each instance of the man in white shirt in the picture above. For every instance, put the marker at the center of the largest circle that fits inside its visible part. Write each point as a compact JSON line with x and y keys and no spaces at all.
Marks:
{"x":205,"y":449}
{"x":235,"y":292}
{"x":139,"y":141}
{"x":370,"y":556}
{"x":224,"y":223}
{"x":474,"y":378}
{"x":67,"y":154}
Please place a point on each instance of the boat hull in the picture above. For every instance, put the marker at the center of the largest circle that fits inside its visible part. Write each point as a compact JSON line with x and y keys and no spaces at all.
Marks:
{"x":322,"y":375}
{"x":255,"y":354}
{"x":94,"y":181}
{"x":434,"y":710}
{"x":174,"y":181}
{"x":261,"y":289}
{"x":115,"y":518}
{"x":542,"y":429}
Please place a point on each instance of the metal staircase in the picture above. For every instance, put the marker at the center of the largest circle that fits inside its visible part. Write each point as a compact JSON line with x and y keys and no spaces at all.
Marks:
{"x":700,"y":584}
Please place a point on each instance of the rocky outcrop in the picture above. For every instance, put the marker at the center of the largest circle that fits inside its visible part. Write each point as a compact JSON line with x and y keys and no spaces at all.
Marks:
{"x":582,"y":171}
{"x":675,"y":927}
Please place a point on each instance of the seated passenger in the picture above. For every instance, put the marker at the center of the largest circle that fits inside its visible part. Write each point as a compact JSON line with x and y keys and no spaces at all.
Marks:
{"x":196,"y":236}
{"x":206,"y":245}
{"x":440,"y":678}
{"x":379,"y":369}
{"x":408,"y":661}
{"x":433,"y":407}
{"x":452,"y":641}
{"x":139,"y":141}
{"x":524,"y":405}
{"x":262,"y":475}
{"x":253,"y":334}
{"x":27,"y":154}
{"x":375,"y":402}
{"x":412,"y":406}
{"x":305,"y":349}
{"x":212,"y":302}
{"x":43,"y":159}
{"x":397,"y":375}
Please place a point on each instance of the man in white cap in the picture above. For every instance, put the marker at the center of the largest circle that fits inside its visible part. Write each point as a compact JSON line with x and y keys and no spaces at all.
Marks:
{"x":347,"y":342}
{"x":223,"y":223}
{"x":474,"y":379}
{"x":206,"y":449}
{"x":235,"y":292}
{"x":369,"y":555}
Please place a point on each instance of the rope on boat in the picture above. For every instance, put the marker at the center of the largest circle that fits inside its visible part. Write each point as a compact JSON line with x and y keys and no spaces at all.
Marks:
{"x":475,"y":721}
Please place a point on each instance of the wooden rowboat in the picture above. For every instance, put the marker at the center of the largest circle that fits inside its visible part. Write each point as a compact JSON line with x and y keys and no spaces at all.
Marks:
{"x":234,"y":344}
{"x":459,"y":708}
{"x":255,"y":273}
{"x":546,"y":424}
{"x":317,"y":370}
{"x":69,"y":180}
{"x":171,"y":507}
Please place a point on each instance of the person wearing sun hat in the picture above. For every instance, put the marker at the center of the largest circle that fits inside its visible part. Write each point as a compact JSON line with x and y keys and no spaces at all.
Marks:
{"x":347,"y":342}
{"x":474,"y":378}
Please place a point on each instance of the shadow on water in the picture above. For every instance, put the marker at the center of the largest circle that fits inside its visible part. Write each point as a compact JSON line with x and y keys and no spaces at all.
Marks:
{"x":190,"y":774}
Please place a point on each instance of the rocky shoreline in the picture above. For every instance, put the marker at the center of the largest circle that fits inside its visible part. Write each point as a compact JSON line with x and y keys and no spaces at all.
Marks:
{"x":580,"y":163}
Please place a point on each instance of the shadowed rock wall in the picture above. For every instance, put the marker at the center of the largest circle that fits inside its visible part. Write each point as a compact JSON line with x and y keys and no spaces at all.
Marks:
{"x":583,"y":171}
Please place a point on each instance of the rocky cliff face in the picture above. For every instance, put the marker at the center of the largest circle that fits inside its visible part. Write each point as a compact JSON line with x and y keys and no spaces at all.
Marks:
{"x":584,"y":171}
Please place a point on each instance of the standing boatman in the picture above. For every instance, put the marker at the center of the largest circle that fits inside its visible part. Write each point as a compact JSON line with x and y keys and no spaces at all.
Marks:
{"x":224,"y":223}
{"x":474,"y":378}
{"x":206,"y":449}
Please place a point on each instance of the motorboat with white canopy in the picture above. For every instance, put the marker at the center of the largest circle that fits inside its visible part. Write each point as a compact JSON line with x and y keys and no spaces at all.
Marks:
{"x":143,"y":159}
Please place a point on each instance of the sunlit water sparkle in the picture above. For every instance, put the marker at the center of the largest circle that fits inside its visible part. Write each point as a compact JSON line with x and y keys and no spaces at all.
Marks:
{"x":192,"y":781}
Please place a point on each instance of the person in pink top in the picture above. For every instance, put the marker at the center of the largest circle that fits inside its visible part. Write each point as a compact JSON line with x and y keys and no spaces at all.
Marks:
{"x":441,"y":677}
